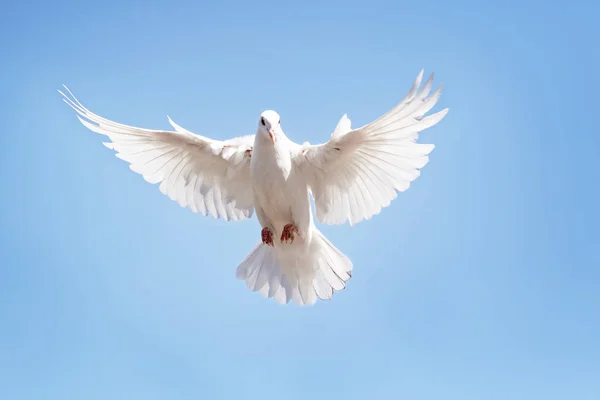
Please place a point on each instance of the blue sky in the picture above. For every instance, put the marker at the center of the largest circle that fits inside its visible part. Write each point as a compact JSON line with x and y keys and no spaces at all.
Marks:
{"x":480,"y":282}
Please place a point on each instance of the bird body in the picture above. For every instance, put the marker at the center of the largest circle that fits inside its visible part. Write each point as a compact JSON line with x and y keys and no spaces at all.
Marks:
{"x":280,"y":196}
{"x":351,"y":178}
{"x":287,"y":269}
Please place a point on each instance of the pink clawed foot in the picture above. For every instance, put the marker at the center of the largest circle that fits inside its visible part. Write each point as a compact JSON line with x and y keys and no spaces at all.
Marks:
{"x":289,"y":233}
{"x":267,"y":237}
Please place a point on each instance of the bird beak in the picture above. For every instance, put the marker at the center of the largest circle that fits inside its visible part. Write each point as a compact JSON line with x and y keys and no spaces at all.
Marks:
{"x":271,"y":136}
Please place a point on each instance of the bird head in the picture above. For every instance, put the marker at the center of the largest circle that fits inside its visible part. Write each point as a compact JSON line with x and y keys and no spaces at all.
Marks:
{"x":269,"y":125}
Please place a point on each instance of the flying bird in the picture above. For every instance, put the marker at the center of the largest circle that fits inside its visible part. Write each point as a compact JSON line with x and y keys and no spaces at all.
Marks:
{"x":351,"y":178}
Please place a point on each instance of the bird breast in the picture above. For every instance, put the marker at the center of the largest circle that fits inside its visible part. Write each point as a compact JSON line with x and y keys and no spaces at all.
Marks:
{"x":271,"y":173}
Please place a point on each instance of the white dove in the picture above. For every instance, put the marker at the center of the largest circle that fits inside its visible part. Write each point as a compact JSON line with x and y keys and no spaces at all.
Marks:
{"x":351,"y":178}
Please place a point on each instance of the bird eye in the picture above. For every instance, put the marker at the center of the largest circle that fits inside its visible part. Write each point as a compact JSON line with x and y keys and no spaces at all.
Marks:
{"x":279,"y":122}
{"x":262,"y":121}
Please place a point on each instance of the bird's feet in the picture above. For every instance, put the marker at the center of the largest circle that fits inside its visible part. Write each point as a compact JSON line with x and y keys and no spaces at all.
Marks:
{"x":267,"y":237}
{"x":289,"y":233}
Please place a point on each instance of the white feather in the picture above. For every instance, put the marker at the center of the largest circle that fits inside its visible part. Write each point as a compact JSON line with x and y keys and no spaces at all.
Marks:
{"x":195,"y":171}
{"x":359,"y":172}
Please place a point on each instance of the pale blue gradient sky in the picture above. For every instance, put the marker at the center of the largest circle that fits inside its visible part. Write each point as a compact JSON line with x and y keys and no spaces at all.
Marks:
{"x":480,"y":282}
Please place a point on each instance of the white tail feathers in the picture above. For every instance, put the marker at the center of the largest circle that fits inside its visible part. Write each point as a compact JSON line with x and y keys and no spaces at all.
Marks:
{"x":299,"y":275}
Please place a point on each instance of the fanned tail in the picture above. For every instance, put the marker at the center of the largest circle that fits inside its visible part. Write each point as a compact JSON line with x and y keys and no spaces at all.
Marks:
{"x":299,"y":275}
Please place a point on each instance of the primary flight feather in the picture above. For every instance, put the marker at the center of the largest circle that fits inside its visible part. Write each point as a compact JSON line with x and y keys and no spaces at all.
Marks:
{"x":351,"y":178}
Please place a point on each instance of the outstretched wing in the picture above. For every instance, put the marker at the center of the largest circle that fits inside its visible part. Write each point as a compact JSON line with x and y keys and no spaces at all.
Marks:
{"x":360,"y":171}
{"x":208,"y":176}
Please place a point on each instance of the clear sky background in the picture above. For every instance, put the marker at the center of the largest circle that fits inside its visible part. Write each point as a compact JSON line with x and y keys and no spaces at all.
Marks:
{"x":480,"y":282}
